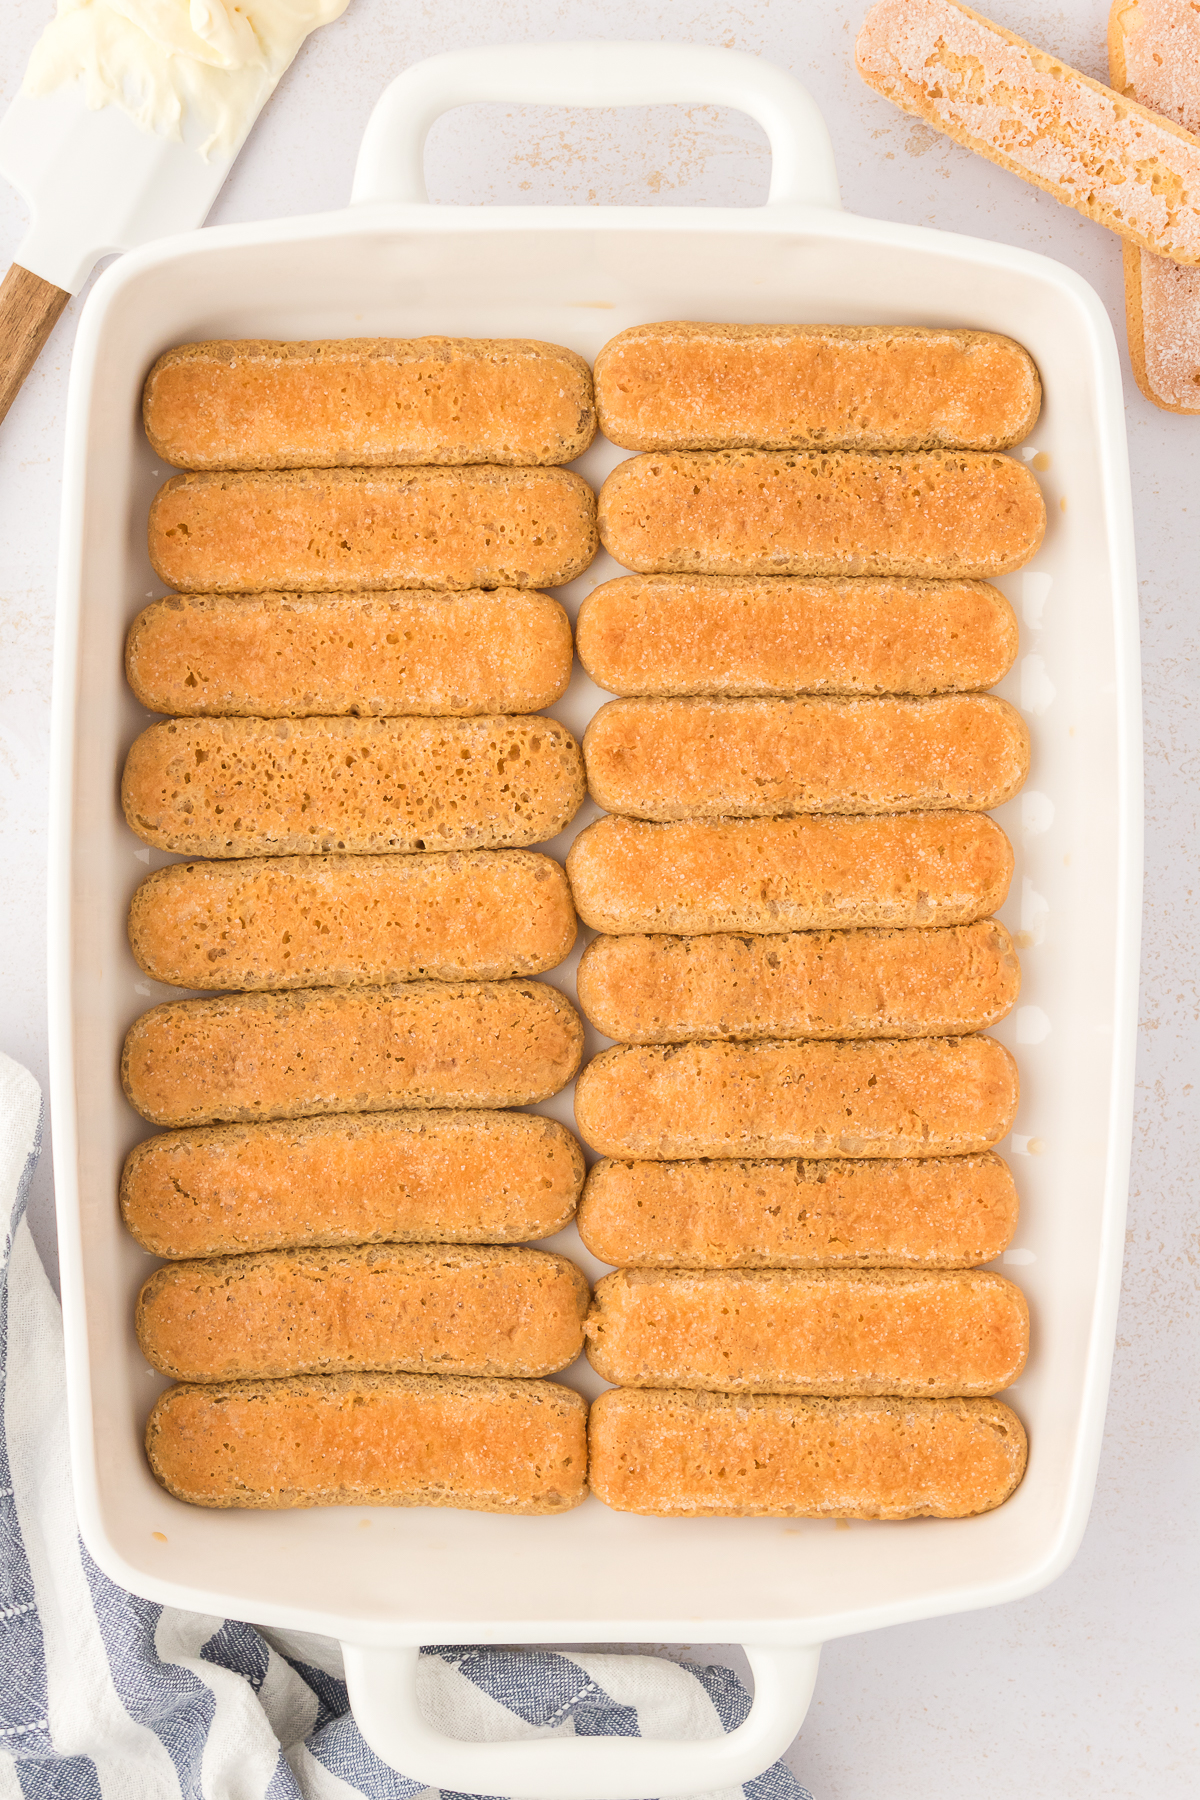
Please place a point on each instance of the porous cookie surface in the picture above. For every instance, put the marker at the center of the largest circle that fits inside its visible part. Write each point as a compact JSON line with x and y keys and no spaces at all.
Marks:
{"x":283,"y":787}
{"x":372,"y":1440}
{"x":798,"y":874}
{"x":710,"y":387}
{"x":701,"y":758}
{"x":676,"y":1454}
{"x":941,"y":513}
{"x":366,"y":1049}
{"x":258,"y":404}
{"x":817,"y":1331}
{"x":408,"y":1177}
{"x":427,"y":1310}
{"x":305,"y":921}
{"x":933,"y":1213}
{"x":921,"y":1097}
{"x":778,"y":635}
{"x":825,"y":984}
{"x":1111,"y":159}
{"x":375,"y":654}
{"x":372,"y":528}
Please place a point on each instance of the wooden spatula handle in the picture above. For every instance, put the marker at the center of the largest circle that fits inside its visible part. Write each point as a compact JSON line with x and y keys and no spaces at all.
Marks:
{"x":29,"y":310}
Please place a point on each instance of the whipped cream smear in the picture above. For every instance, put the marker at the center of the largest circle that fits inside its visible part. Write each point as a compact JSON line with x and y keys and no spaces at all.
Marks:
{"x":211,"y":63}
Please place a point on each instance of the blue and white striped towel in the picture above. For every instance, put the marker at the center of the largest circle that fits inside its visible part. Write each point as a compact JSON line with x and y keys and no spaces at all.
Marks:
{"x":105,"y":1696}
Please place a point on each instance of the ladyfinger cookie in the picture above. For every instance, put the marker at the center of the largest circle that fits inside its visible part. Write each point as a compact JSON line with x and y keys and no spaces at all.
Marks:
{"x":915,"y":1097}
{"x":1114,"y":161}
{"x":934,"y":1333}
{"x":1154,"y":58}
{"x":800,"y":984}
{"x":942,"y":1213}
{"x":942,"y":513}
{"x":363,"y":1049}
{"x":274,"y":656}
{"x":388,"y":1307}
{"x":396,"y":1177}
{"x":798,"y":874}
{"x":923,"y":1332}
{"x":287,"y":787}
{"x":782,"y":387}
{"x":770,"y":635}
{"x":675,"y":1454}
{"x":326,"y":921}
{"x":327,"y":529}
{"x":254,"y":404}
{"x":372,"y":1440}
{"x":700,"y":758}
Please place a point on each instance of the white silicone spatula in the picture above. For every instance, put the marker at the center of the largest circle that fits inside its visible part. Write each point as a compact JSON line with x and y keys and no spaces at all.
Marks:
{"x":95,"y":183}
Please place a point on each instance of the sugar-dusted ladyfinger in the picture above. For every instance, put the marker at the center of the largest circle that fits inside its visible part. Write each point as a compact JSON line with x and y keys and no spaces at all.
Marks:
{"x":273,"y":656}
{"x":246,"y":1057}
{"x":676,"y":1454}
{"x":1154,"y":57}
{"x":1111,"y":159}
{"x":328,"y":529}
{"x":399,"y":1177}
{"x":798,"y":874}
{"x":814,"y":1331}
{"x":800,"y":984}
{"x":701,"y":758}
{"x":326,"y":921}
{"x":372,"y":1440}
{"x":815,"y":387}
{"x":775,"y":635}
{"x":941,"y":1212}
{"x":941,"y":513}
{"x":288,"y":787}
{"x":421,"y":1308}
{"x":910,"y":1097}
{"x":254,"y":404}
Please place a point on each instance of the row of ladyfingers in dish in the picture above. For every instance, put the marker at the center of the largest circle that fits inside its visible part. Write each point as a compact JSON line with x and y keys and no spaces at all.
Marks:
{"x":255,"y":404}
{"x":503,"y":1311}
{"x":950,"y":514}
{"x":534,"y":1446}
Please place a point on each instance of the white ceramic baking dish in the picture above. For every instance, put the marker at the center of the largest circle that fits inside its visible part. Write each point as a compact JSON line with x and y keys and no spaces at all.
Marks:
{"x":385,"y":1581}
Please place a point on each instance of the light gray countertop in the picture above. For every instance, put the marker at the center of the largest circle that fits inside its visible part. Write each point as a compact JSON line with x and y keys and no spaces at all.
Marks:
{"x":1088,"y":1688}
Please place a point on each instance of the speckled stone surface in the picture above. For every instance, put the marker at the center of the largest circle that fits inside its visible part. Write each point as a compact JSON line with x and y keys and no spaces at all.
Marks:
{"x":1085,"y":1690}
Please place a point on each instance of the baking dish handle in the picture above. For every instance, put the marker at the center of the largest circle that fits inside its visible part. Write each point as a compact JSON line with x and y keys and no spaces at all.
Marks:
{"x":383,"y":1698}
{"x":596,"y":74}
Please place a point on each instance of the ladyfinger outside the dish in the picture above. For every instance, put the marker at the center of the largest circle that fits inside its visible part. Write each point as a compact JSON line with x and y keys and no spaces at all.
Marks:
{"x":700,"y":758}
{"x":288,"y":787}
{"x":255,"y":404}
{"x":245,"y":1057}
{"x":273,"y":656}
{"x":643,"y":989}
{"x":915,"y":1097}
{"x":331,"y":529}
{"x":930,"y":513}
{"x":932,"y":1333}
{"x":1114,"y":161}
{"x":774,"y":635}
{"x":419,"y":1308}
{"x":943,"y":1212}
{"x":779,"y":387}
{"x":798,"y":874}
{"x":1154,"y":58}
{"x":401,"y":1177}
{"x":676,"y":1454}
{"x":372,"y":1440}
{"x":317,"y":921}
